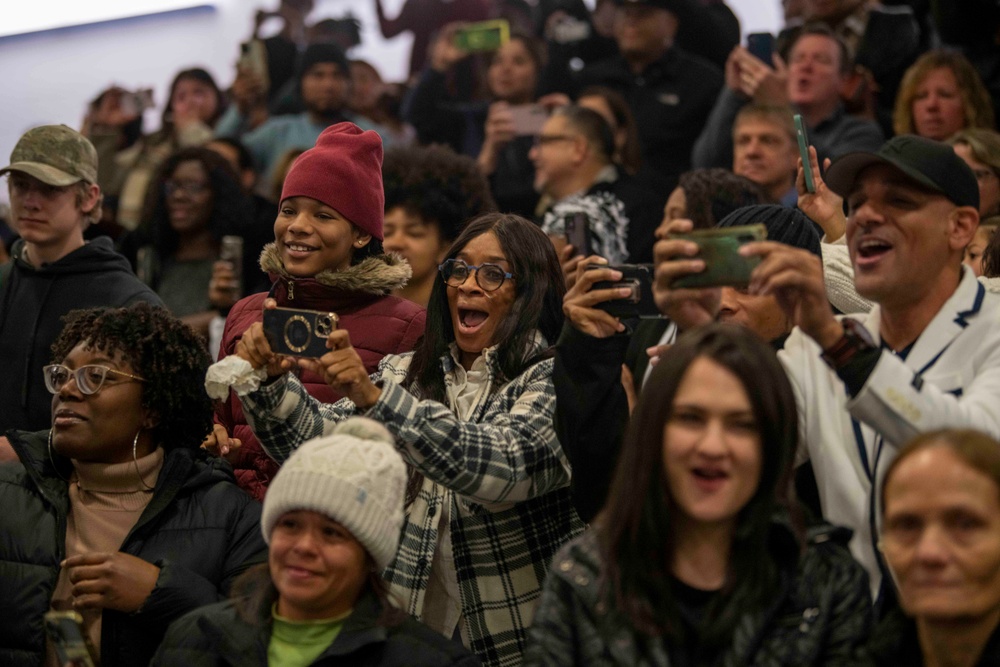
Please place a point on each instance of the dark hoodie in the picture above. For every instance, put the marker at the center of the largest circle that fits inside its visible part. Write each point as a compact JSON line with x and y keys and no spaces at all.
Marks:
{"x":32,"y":305}
{"x":199,"y":529}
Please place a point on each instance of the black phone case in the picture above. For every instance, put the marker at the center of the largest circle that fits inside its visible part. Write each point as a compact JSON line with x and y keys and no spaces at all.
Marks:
{"x":641,"y":303}
{"x":281,"y":325}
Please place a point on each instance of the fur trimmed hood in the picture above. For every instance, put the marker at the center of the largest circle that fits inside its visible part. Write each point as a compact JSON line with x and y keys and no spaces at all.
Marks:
{"x":376,"y":275}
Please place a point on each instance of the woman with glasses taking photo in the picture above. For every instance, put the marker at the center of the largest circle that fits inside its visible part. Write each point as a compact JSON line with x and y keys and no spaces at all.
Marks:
{"x":114,"y":512}
{"x":471,"y":413}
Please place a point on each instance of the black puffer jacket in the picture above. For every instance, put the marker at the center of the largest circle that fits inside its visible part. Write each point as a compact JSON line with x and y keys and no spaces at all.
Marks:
{"x":199,"y":528}
{"x":820,"y":613}
{"x":219,"y":636}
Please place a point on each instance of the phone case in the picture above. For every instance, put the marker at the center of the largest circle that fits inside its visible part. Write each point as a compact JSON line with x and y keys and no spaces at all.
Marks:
{"x":761,"y":46}
{"x":528,"y":119}
{"x":639,"y":277}
{"x":71,"y":643}
{"x":577,"y":232}
{"x":803,"y":138}
{"x":719,"y":249}
{"x":296,"y":332}
{"x":483,"y":36}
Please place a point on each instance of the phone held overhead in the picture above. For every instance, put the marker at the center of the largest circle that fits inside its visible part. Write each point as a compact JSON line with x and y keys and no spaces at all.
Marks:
{"x":720,"y":250}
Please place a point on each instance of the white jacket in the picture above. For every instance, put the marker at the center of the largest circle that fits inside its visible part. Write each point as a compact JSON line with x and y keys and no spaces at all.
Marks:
{"x":949,"y":379}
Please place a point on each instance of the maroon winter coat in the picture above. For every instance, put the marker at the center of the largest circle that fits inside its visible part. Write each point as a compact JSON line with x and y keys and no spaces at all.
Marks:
{"x":379,"y":324}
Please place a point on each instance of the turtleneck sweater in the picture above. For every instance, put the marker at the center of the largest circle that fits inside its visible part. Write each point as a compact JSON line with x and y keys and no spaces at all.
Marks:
{"x":105,"y":502}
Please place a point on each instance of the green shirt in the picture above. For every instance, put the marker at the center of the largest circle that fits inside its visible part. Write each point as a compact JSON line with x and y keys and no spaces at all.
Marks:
{"x":299,"y":643}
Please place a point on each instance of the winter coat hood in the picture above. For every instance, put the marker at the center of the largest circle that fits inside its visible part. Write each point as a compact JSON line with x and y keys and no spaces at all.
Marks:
{"x":377,"y":275}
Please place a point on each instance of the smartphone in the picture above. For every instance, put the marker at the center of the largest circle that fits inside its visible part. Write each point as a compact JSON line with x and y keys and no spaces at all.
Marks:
{"x":136,"y":103}
{"x":253,"y":58}
{"x":639,"y":303}
{"x":719,"y":249}
{"x":299,"y":333}
{"x":578,"y":234}
{"x":72,"y":645}
{"x":483,"y":36}
{"x":761,"y":46}
{"x":528,"y":119}
{"x":803,"y":138}
{"x":231,"y":250}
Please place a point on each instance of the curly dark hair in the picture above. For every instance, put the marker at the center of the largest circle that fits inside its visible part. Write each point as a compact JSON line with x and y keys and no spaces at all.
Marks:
{"x":436,"y":184}
{"x":231,"y":208}
{"x":712,"y":194}
{"x":160,"y":348}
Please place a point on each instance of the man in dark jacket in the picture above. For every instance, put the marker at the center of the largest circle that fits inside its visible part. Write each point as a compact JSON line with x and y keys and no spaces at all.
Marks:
{"x":52,"y":180}
{"x":669,"y":91}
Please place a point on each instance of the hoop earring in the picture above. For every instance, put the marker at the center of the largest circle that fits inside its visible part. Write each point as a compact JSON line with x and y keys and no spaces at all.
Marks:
{"x":135,"y":460}
{"x":52,"y":459}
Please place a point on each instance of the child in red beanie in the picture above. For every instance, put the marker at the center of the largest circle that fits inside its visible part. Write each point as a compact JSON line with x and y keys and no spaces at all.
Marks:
{"x":327,"y":255}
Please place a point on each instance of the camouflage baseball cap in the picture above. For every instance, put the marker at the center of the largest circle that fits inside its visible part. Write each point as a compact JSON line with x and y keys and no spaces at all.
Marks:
{"x":54,"y":154}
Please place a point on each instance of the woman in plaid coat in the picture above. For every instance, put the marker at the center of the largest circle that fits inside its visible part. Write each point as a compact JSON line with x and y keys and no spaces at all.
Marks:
{"x":471,"y":410}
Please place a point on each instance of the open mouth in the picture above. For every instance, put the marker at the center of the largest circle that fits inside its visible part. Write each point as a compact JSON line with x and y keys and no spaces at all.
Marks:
{"x":709,"y":478}
{"x":871,"y":250}
{"x":471,"y":320}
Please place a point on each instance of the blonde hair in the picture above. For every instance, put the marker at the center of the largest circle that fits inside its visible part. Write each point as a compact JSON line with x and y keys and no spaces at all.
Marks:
{"x":976,"y":102}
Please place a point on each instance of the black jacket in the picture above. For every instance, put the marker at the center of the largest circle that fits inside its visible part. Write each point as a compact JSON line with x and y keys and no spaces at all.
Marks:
{"x":32,"y":305}
{"x":199,"y":528}
{"x":895,"y":643}
{"x":219,"y":635}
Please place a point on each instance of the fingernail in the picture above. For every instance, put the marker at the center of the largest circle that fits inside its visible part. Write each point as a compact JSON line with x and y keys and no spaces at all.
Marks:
{"x":624,"y":291}
{"x":616,"y":275}
{"x":651,"y":351}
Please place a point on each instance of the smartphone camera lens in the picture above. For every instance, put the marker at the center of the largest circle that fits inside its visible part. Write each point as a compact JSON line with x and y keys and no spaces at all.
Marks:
{"x":324,"y":325}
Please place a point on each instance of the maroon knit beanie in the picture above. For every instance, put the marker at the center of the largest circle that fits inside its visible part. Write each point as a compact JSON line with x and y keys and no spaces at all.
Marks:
{"x":344,"y":171}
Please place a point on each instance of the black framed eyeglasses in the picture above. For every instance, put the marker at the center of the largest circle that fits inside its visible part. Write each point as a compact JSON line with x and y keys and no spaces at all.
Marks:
{"x":488,"y":276}
{"x":190,"y":188}
{"x":89,"y":378}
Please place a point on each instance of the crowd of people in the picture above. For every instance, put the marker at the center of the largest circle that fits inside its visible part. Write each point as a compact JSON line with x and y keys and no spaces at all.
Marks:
{"x":444,"y":372}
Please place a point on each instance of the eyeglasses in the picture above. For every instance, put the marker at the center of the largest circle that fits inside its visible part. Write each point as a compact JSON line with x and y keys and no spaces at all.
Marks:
{"x":89,"y":378}
{"x":488,"y":276}
{"x":983,"y":174}
{"x":543,"y":139}
{"x":190,"y":188}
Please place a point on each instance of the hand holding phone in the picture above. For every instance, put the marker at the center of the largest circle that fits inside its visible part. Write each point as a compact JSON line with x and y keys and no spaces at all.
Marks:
{"x":578,"y":234}
{"x":761,"y":46}
{"x":719,"y":249}
{"x":298,"y":333}
{"x":803,"y":139}
{"x":482,"y":36}
{"x":638,"y":279}
{"x":528,"y":118}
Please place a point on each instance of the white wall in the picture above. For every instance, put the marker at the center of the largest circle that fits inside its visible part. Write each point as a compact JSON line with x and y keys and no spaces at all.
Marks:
{"x":49,"y":77}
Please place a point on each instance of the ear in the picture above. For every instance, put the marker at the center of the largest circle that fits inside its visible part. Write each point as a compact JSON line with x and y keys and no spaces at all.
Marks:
{"x":361,"y":239}
{"x":151,"y":419}
{"x":581,"y":149}
{"x":962,"y":225}
{"x":91,"y":198}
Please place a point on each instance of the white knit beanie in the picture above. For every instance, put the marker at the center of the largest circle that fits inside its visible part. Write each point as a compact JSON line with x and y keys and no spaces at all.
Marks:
{"x":355,"y":476}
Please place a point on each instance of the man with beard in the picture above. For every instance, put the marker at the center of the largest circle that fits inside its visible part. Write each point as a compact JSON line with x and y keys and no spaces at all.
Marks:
{"x":324,"y":86}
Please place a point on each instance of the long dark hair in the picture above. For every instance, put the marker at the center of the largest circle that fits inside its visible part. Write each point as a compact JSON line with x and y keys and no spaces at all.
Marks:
{"x":637,"y":525}
{"x":539,"y":289}
{"x":193,"y":74}
{"x":231,"y":208}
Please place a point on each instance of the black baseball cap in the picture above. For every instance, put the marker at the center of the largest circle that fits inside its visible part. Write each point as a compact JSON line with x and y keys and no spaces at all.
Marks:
{"x":932,"y":164}
{"x":669,"y":5}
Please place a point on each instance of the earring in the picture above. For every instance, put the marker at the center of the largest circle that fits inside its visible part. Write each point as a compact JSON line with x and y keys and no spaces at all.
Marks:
{"x":135,"y":443}
{"x":52,"y":459}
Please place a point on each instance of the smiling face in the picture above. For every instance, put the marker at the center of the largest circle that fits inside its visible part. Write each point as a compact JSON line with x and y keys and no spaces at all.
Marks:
{"x":937,"y":105}
{"x":312,"y":237}
{"x":901,"y":238}
{"x":711,"y":446}
{"x":814,"y":77}
{"x":512,"y":75}
{"x":764,"y":153}
{"x":189,"y":197}
{"x":941,"y":536}
{"x":318,"y":567}
{"x":98,"y":428}
{"x":475,"y":313}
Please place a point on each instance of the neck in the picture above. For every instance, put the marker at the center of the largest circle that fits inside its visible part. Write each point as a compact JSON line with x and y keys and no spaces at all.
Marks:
{"x":37,"y":255}
{"x":902,"y":323}
{"x":417,"y":292}
{"x":196,"y":245}
{"x":814,"y":114}
{"x":701,"y":559}
{"x":955,"y":643}
{"x":637,"y":62}
{"x":778,"y":190}
{"x":578,"y":181}
{"x":325,"y":117}
{"x":468,"y":358}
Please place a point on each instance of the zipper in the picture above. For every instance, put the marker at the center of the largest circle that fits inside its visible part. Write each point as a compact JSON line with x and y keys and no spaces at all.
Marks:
{"x":291,"y":289}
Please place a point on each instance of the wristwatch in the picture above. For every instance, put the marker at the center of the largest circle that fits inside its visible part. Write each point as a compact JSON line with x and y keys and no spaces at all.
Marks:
{"x":856,"y":339}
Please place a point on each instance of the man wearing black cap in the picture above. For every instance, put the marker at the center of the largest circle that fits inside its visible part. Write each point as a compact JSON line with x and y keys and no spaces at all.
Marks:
{"x":324,"y":88}
{"x":926,"y":357}
{"x":669,"y":91}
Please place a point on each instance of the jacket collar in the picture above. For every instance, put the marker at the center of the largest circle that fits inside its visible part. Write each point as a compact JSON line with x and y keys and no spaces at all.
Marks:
{"x":372,"y":278}
{"x":954,"y":316}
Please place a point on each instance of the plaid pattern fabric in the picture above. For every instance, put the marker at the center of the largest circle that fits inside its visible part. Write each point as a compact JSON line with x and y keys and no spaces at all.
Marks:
{"x":503,"y":474}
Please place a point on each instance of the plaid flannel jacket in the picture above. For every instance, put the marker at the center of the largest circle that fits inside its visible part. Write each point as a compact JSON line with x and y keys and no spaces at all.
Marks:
{"x":503,"y":474}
